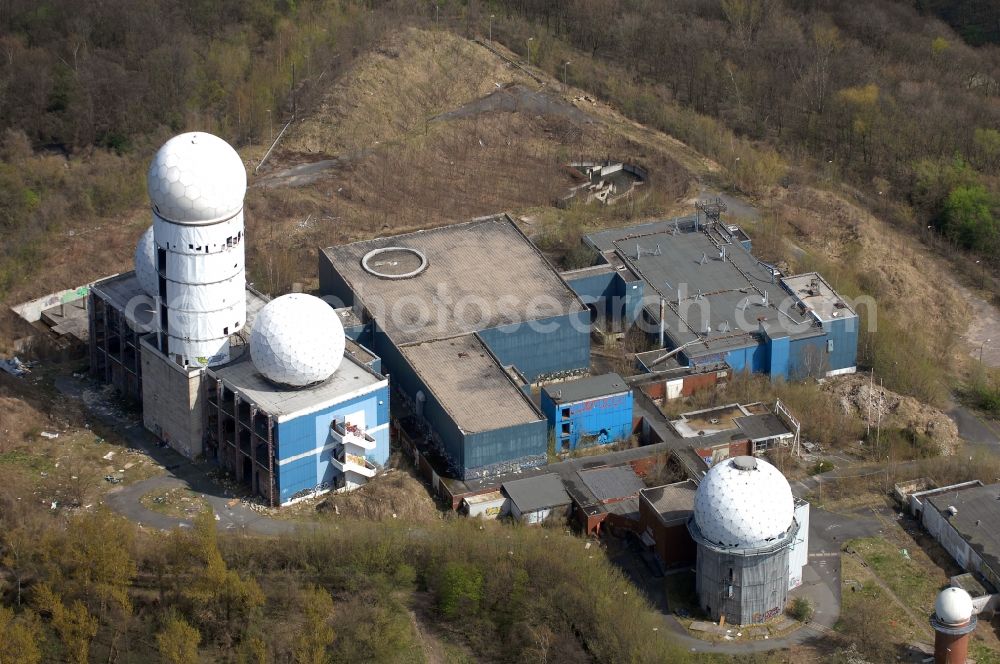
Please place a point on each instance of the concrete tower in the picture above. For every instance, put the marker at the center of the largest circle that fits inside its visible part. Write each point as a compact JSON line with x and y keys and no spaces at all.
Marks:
{"x":953,"y":621}
{"x":196,"y":186}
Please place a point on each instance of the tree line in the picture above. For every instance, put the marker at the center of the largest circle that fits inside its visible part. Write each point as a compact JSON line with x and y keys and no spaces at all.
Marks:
{"x":873,"y":93}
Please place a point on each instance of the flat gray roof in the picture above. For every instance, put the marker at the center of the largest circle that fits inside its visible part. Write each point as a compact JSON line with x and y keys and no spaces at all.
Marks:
{"x":358,"y":352}
{"x":589,"y":387}
{"x":761,"y":427}
{"x":487,"y":264}
{"x":977,"y":520}
{"x":537,"y":493}
{"x":124,"y":294}
{"x":727,"y":295}
{"x":612,"y":483}
{"x":818,"y":296}
{"x":475,"y":390}
{"x":673,"y":502}
{"x":350,"y":379}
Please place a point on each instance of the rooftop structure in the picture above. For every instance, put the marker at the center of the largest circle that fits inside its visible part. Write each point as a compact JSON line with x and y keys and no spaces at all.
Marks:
{"x":720,"y":303}
{"x":590,"y":387}
{"x":297,"y":340}
{"x":196,"y":184}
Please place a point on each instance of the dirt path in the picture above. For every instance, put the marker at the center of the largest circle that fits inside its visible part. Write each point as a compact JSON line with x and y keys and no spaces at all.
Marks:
{"x":984,"y":327}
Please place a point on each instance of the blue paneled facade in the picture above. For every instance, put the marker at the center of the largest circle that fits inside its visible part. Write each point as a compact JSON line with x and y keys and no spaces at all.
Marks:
{"x":609,"y":293}
{"x":304,"y":444}
{"x":548,"y":346}
{"x":602,"y":420}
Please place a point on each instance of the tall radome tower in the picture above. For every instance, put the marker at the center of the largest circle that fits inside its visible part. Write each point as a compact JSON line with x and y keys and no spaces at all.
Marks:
{"x":196,"y":186}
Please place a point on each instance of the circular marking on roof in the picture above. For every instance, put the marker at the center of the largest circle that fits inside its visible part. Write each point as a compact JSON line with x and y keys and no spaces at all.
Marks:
{"x":745,"y":462}
{"x":394,"y":262}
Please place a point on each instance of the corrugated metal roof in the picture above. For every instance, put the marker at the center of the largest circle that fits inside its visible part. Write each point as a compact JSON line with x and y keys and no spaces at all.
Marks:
{"x":469,"y":384}
{"x":590,"y":387}
{"x":612,"y":483}
{"x":537,"y":493}
{"x":480,"y":274}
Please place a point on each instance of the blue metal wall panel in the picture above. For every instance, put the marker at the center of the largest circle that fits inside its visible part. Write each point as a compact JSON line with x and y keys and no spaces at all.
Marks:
{"x":844,"y":335}
{"x":632,"y":294}
{"x":808,"y":357}
{"x":331,"y":284}
{"x":753,"y":358}
{"x":596,"y":289}
{"x":490,"y":448}
{"x":778,"y":350}
{"x":548,"y":346}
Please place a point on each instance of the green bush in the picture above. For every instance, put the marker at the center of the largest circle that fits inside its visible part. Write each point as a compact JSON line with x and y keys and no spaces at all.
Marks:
{"x":801,"y":609}
{"x":459,"y":589}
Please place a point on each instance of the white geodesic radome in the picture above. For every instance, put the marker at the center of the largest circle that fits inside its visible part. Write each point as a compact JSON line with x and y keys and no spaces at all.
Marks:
{"x":954,"y":606}
{"x":145,"y":263}
{"x":196,"y":178}
{"x":297,"y":340}
{"x":744,"y":503}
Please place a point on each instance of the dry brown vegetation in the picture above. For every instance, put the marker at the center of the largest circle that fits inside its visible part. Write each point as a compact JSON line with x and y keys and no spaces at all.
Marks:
{"x":399,"y":169}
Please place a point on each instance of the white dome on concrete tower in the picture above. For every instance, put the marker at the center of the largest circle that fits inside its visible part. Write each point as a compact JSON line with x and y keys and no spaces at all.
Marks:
{"x":953,"y":606}
{"x":743,"y":502}
{"x":145,"y":263}
{"x":297,"y":340}
{"x":196,"y":178}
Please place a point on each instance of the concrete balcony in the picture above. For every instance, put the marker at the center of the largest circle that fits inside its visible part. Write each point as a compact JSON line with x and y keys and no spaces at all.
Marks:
{"x":351,"y":435}
{"x":352,"y":463}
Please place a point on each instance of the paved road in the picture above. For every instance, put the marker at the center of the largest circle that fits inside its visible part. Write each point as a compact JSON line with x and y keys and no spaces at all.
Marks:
{"x":975,"y":430}
{"x":230,"y":512}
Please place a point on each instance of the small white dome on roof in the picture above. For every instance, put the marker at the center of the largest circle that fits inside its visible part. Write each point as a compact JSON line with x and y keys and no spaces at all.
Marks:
{"x":953,"y":606}
{"x":297,"y":340}
{"x":145,"y":263}
{"x":743,"y":502}
{"x":195,"y":178}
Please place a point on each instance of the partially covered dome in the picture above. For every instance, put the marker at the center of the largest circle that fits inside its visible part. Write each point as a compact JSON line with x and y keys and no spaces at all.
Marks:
{"x":743,"y":502}
{"x":297,"y":340}
{"x":196,"y":178}
{"x":145,"y":263}
{"x":953,"y":606}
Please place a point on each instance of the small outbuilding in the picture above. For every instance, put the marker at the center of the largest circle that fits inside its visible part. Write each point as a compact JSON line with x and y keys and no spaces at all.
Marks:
{"x":535,"y":499}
